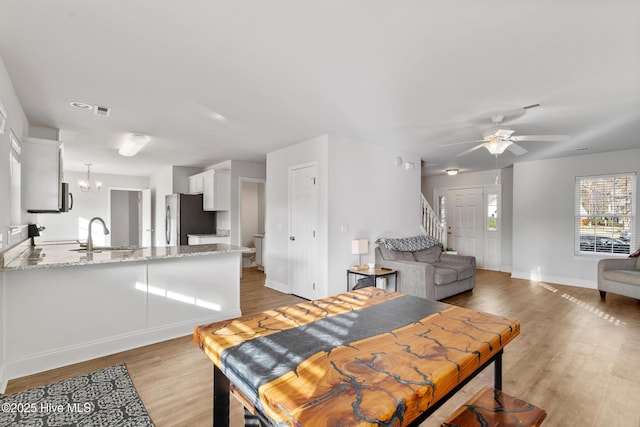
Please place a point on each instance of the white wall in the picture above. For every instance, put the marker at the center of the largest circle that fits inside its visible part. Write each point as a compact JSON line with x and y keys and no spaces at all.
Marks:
{"x":371,"y":195}
{"x":250,"y":213}
{"x":481,"y":179}
{"x":359,"y":187}
{"x":276,"y":244}
{"x":543,"y":216}
{"x":72,"y":225}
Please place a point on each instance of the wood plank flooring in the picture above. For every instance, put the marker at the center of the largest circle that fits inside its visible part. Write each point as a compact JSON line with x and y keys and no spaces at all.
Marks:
{"x":577,"y":357}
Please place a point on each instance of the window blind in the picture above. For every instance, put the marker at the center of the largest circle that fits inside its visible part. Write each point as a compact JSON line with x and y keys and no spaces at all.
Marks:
{"x":605,"y":214}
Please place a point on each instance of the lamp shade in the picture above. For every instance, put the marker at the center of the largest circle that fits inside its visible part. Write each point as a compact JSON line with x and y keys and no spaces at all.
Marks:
{"x":359,"y":246}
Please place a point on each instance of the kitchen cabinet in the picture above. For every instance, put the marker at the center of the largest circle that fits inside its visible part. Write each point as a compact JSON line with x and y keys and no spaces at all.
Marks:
{"x":215,"y":187}
{"x":216,"y":190}
{"x":42,"y":187}
{"x":196,"y":183}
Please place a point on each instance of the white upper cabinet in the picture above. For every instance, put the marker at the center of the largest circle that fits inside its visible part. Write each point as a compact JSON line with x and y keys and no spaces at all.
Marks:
{"x":196,"y":184}
{"x":217,"y":190}
{"x":215,"y":187}
{"x":41,"y":175}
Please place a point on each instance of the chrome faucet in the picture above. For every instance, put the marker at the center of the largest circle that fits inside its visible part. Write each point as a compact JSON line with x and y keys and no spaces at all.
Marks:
{"x":89,"y":238}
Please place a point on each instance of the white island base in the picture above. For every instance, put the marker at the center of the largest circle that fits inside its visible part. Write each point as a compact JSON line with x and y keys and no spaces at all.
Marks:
{"x":58,"y":316}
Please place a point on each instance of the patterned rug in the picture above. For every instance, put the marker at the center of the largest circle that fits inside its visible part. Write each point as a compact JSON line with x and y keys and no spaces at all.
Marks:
{"x":104,"y":398}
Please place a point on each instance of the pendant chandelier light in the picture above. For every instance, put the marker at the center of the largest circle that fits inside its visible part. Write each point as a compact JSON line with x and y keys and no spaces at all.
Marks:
{"x":85,"y":184}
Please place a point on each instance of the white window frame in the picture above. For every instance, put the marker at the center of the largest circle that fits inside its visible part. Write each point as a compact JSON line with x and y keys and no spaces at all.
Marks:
{"x":605,"y":219}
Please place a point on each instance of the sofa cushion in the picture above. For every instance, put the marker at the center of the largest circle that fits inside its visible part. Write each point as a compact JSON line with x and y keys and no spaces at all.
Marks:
{"x":638,"y":264}
{"x":631,"y":277}
{"x":391,"y":255}
{"x":447,"y":272}
{"x":429,"y":255}
{"x":444,"y":276}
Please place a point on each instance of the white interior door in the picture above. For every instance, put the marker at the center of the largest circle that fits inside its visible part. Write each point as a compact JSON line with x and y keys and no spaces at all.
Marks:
{"x":465,"y":222}
{"x":303,"y":242}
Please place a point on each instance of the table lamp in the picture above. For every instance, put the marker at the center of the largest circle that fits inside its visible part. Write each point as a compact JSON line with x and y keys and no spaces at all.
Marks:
{"x":359,"y":247}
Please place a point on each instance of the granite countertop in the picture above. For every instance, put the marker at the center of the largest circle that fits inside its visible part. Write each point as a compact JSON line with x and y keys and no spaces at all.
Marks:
{"x":25,"y":257}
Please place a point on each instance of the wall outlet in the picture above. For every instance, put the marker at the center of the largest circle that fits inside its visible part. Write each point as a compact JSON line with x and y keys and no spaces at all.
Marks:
{"x":344,"y":228}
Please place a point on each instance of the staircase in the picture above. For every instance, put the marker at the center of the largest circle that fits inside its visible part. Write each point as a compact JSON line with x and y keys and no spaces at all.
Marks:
{"x":430,"y":222}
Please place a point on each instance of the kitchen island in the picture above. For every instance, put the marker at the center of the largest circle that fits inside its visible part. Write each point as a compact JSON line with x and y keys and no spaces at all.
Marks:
{"x":63,"y":305}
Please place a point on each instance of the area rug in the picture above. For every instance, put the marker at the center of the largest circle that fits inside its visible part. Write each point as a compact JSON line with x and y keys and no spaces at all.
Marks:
{"x":104,"y":398}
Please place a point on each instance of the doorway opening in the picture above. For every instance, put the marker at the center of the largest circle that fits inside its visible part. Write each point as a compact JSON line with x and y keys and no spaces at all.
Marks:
{"x":130,"y":217}
{"x":252,"y":215}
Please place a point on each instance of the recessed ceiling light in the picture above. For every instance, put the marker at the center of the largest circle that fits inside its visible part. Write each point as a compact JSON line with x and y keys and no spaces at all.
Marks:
{"x":81,"y":105}
{"x":452,"y":171}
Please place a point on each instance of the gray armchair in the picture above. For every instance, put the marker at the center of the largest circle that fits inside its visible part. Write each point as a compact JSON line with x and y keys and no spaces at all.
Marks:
{"x":429,"y":273}
{"x":620,"y":276}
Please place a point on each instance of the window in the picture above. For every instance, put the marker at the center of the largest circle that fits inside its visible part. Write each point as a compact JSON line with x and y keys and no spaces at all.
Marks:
{"x":492,"y":212}
{"x":605,"y":214}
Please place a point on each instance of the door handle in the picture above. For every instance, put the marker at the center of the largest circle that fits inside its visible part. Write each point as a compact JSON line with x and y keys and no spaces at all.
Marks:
{"x":292,"y":238}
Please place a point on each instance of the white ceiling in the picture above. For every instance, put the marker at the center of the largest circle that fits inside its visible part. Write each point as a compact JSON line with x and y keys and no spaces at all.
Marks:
{"x":411,"y":75}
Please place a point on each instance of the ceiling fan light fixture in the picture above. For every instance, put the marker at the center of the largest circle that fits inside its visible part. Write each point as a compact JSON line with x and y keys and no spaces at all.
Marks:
{"x":452,"y":172}
{"x":497,"y":146}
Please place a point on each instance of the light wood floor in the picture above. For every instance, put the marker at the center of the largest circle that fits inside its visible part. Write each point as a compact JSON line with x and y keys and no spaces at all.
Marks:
{"x":577,"y":357}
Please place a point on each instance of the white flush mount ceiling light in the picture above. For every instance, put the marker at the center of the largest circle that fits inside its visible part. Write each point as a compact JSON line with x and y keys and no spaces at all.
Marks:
{"x":85,"y":184}
{"x":219,"y":117}
{"x":452,"y":172}
{"x":133,"y":143}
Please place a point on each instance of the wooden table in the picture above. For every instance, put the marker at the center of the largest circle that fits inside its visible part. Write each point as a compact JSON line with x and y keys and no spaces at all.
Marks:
{"x":359,"y":358}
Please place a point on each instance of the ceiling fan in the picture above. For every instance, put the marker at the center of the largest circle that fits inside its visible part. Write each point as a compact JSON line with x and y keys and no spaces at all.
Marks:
{"x":497,"y":140}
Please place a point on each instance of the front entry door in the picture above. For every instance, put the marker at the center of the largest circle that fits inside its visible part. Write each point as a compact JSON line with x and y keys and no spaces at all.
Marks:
{"x":303,"y":241}
{"x":465,"y":222}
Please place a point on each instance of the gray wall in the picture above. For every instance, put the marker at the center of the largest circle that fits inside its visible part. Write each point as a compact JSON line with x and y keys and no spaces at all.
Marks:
{"x":544,"y":211}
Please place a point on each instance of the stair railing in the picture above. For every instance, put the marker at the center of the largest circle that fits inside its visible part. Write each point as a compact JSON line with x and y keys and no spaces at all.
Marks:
{"x":430,"y":222}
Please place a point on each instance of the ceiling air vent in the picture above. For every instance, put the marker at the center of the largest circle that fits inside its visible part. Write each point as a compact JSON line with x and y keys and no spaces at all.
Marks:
{"x":100,"y":110}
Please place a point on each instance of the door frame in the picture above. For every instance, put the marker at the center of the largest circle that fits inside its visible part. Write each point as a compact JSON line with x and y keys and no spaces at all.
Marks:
{"x":495,"y":263}
{"x":241,"y":181}
{"x":145,"y":214}
{"x":290,"y":275}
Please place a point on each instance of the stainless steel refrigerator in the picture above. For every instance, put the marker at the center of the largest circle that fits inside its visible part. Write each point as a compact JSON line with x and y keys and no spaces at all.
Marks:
{"x":184,"y":215}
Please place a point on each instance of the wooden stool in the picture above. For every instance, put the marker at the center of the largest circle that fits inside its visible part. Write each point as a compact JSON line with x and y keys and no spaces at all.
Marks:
{"x":491,"y":407}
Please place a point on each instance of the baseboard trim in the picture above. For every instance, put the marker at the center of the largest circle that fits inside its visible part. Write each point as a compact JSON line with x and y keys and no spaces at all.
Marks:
{"x":559,"y":280}
{"x":277,"y":286}
{"x":91,"y":350}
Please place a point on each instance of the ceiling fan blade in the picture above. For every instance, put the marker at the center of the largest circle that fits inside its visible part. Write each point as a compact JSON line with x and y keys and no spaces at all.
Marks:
{"x":463,"y":142}
{"x":539,"y":138}
{"x":470,"y":150}
{"x":516,"y":149}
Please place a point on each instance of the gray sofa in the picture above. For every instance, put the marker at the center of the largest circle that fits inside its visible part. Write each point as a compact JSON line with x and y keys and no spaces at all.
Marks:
{"x":429,"y":273}
{"x":620,"y":276}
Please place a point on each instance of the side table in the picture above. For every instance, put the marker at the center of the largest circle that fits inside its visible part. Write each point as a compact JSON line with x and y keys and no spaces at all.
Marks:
{"x":380,"y":276}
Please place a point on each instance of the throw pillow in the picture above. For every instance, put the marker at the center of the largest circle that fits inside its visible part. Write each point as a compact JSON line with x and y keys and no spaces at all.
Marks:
{"x":635,"y":254}
{"x":391,"y":255}
{"x":429,"y":255}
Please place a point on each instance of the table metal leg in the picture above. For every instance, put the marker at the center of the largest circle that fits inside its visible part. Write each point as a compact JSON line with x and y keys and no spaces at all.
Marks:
{"x":220,"y":398}
{"x":497,"y":376}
